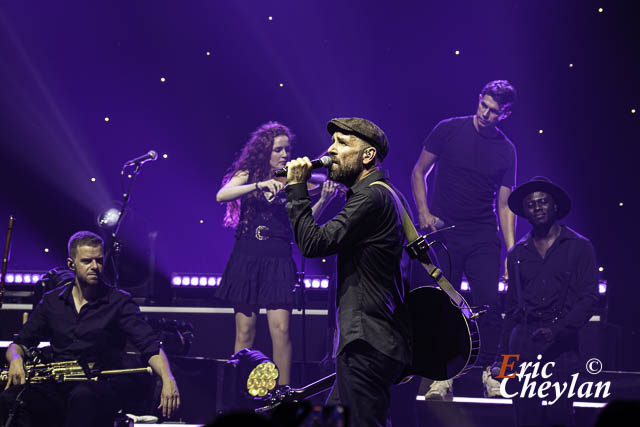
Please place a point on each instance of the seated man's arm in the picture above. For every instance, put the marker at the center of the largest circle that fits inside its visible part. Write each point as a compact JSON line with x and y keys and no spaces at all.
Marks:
{"x":586,"y":293}
{"x":15,"y":356}
{"x":146,"y":340}
{"x":170,"y":397}
{"x":34,"y":331}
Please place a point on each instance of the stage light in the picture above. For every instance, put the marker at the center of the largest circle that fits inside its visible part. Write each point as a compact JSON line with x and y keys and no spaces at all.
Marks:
{"x":106,"y":119}
{"x":108,"y":218}
{"x":202,"y":221}
{"x":600,"y":269}
{"x":464,"y":286}
{"x":271,"y":18}
{"x":633,"y":111}
{"x":570,"y":65}
{"x":281,"y":84}
{"x":164,"y":156}
{"x":162,"y":79}
{"x":315,"y":282}
{"x":208,"y":53}
{"x":602,"y":287}
{"x":256,"y":372}
{"x":46,"y":250}
{"x":589,"y":404}
{"x":540,"y":131}
{"x":23,"y":277}
{"x":457,"y":52}
{"x":502,"y":287}
{"x":600,"y":10}
{"x":620,"y":204}
{"x":200,"y":280}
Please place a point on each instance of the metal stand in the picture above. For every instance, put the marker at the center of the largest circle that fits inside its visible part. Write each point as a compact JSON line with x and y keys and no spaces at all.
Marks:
{"x":5,"y":258}
{"x":16,"y":406}
{"x":115,"y":245}
{"x":299,"y":290}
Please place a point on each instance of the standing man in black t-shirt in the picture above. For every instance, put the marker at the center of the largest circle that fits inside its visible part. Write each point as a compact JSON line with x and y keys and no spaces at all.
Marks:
{"x":476,"y":169}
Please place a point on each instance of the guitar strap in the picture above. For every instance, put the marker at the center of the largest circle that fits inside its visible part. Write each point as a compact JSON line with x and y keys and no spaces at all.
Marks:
{"x":417,"y":250}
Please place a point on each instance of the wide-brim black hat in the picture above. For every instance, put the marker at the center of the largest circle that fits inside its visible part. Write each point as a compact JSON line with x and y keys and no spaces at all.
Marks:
{"x":540,"y":183}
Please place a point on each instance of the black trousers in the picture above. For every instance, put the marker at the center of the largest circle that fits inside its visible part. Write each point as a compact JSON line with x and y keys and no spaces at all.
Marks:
{"x":529,"y":411}
{"x":87,"y":403}
{"x":477,"y":255}
{"x":364,"y":377}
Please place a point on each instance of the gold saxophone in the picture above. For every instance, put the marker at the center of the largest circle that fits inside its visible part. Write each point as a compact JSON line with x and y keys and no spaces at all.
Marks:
{"x":67,"y":371}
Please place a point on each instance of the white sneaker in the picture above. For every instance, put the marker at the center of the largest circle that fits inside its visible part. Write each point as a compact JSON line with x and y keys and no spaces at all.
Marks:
{"x":491,"y":385}
{"x":440,"y":390}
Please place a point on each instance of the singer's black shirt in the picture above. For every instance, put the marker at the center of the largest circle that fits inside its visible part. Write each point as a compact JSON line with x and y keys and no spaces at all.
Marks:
{"x":97,"y":333}
{"x":368,"y":237}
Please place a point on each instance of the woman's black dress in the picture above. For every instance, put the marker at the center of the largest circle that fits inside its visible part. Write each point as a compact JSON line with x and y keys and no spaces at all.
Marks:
{"x":260,"y":270}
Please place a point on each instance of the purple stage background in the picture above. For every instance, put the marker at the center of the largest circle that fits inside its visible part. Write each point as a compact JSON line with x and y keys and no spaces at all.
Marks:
{"x":192,"y":79}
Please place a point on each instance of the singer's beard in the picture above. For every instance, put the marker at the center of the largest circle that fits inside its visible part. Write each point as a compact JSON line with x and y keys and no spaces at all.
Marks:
{"x":346,"y":173}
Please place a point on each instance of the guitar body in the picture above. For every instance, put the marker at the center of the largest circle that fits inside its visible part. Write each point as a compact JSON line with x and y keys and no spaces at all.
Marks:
{"x":445,"y":341}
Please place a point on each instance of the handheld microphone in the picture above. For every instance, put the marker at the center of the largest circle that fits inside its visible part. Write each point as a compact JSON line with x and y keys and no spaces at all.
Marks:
{"x":322,"y":162}
{"x":149,"y":157}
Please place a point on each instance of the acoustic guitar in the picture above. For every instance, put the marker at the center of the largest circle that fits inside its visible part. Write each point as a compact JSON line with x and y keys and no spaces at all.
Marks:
{"x":446,"y":339}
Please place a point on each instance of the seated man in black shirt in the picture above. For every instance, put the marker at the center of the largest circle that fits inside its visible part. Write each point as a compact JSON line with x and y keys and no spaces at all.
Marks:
{"x":373,"y":316}
{"x":86,"y":320}
{"x":553,"y":288}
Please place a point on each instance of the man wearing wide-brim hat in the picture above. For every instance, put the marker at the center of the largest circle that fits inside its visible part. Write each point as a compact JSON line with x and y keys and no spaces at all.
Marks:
{"x":553,"y":288}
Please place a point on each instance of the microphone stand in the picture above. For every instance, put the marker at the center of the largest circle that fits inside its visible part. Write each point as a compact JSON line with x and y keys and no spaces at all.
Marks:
{"x":5,"y":258}
{"x":299,"y":288}
{"x":116,"y":247}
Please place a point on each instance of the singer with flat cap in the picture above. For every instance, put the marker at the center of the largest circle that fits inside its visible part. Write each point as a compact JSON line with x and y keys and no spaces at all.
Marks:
{"x":260,"y":271}
{"x":373,"y":318}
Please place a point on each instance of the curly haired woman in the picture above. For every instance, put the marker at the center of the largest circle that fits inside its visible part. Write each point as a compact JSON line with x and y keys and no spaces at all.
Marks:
{"x":260,"y":271}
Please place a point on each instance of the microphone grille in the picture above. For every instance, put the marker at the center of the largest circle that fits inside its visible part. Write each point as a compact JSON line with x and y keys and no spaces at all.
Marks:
{"x":153,"y":154}
{"x":326,"y":161}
